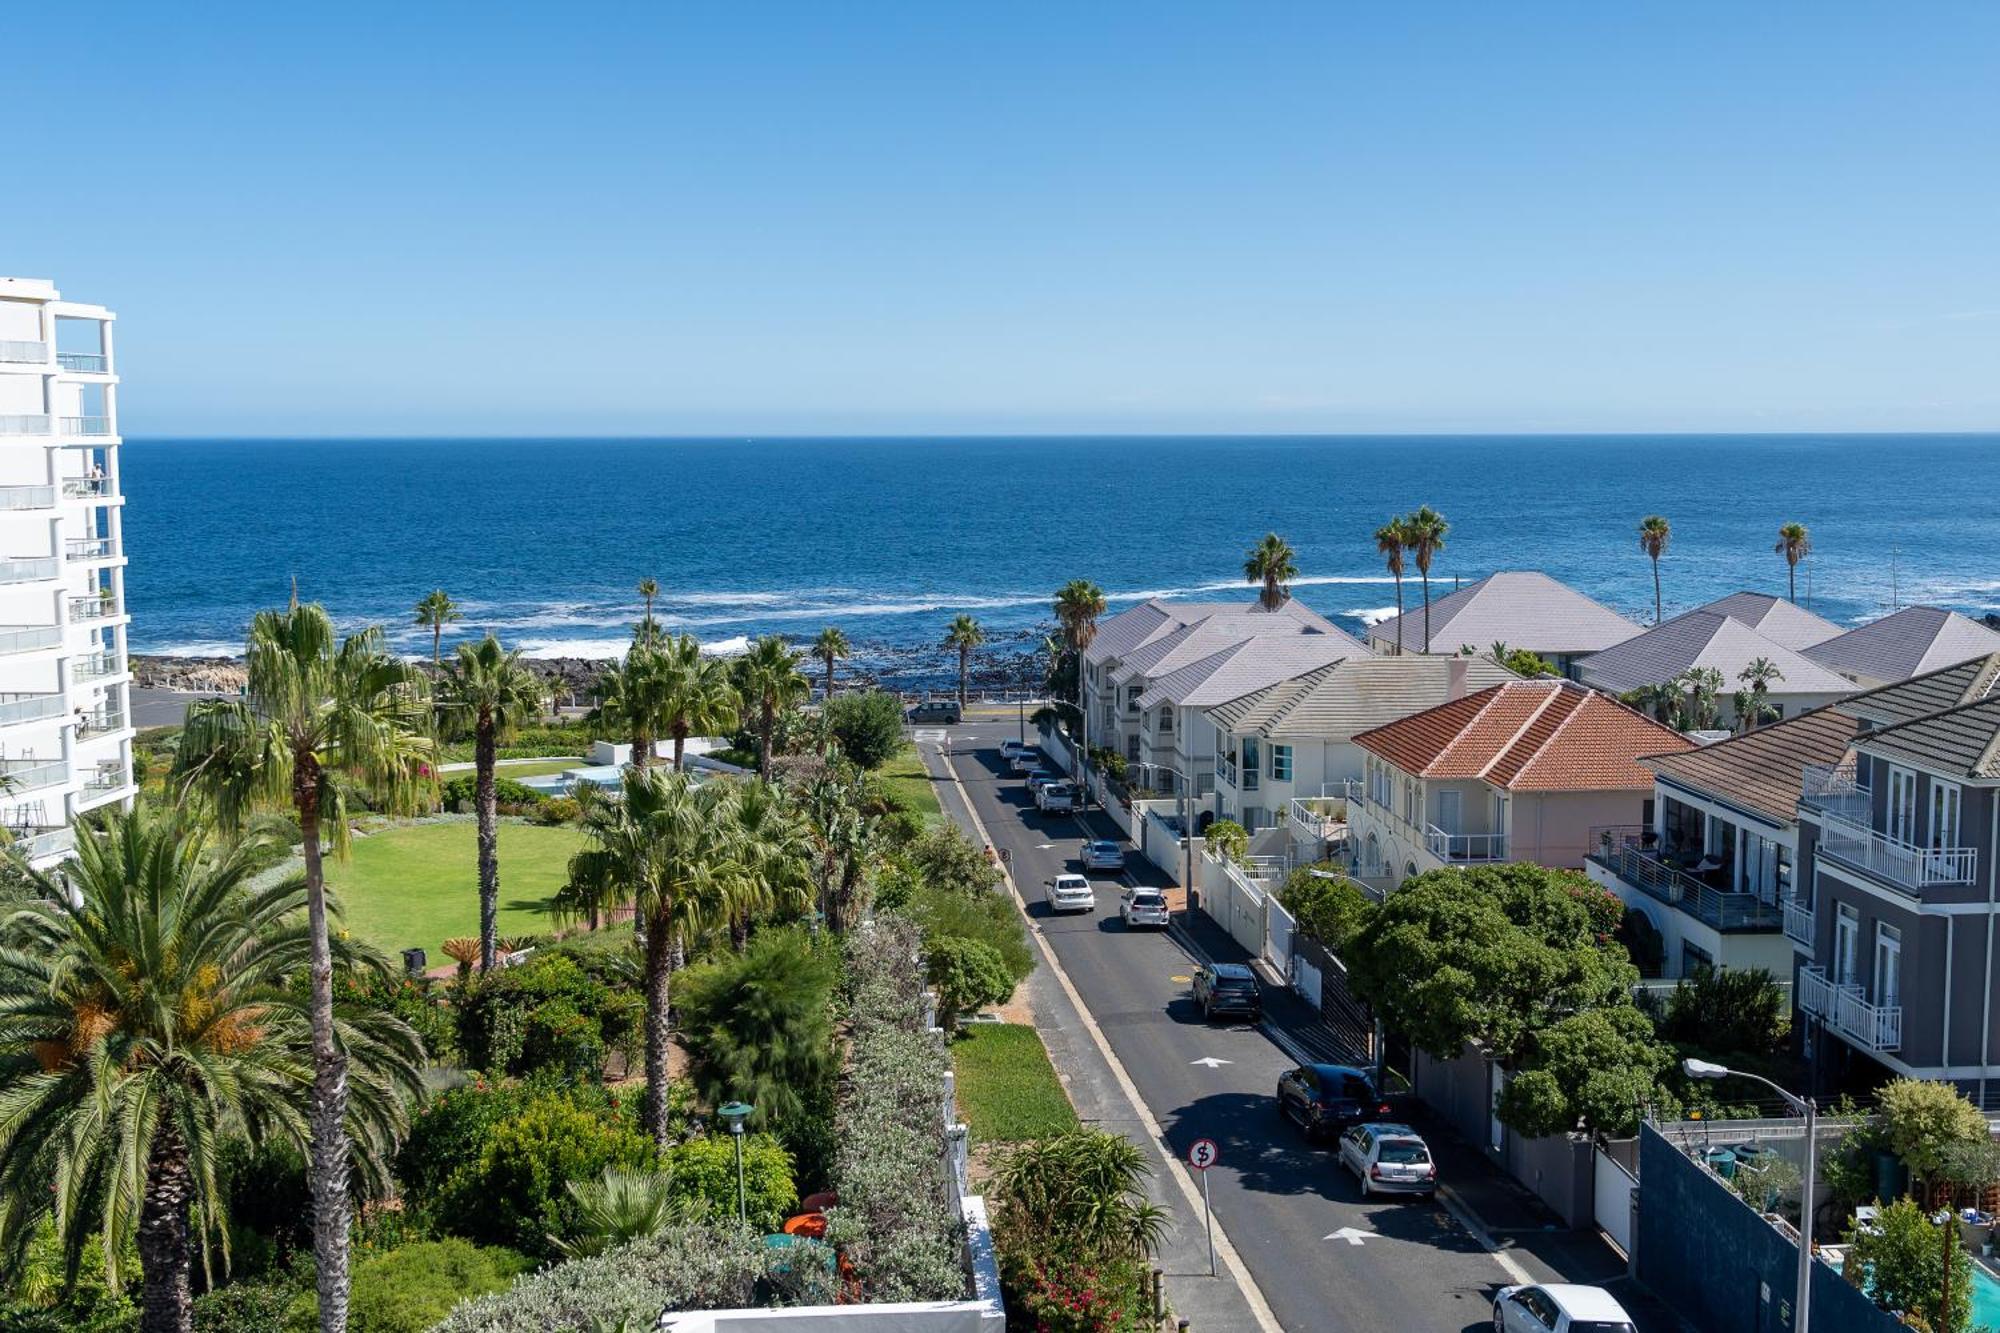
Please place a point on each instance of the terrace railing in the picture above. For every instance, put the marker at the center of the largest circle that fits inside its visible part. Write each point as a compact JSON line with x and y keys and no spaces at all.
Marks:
{"x":84,"y":363}
{"x":1799,"y":923}
{"x":29,"y":638}
{"x":1904,"y":865}
{"x":1846,"y":1008}
{"x":27,"y":497}
{"x":32,"y":774}
{"x":30,"y":570}
{"x":86,"y":488}
{"x":97,"y":666}
{"x":22,"y":352}
{"x":48,"y":842}
{"x":1464,"y":847}
{"x":1723,"y":909}
{"x":92,"y":608}
{"x":24,"y":423}
{"x":16,"y":709}
{"x":89,"y":548}
{"x":85,"y":425}
{"x":1836,"y":790}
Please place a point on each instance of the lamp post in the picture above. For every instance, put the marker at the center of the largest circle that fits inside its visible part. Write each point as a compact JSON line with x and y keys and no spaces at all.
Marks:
{"x":734,"y":1114}
{"x":1802,"y":1301}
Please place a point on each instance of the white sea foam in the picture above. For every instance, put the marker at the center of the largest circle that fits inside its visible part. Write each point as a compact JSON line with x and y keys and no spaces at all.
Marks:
{"x":200,"y":648}
{"x":595,"y":649}
{"x":1372,"y":615}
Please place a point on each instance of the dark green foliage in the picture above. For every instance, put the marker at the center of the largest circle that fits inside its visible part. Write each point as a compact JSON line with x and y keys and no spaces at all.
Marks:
{"x":408,"y":1290}
{"x":1739,"y":1011}
{"x":967,"y":976}
{"x":449,"y":1133}
{"x":417,"y":1001}
{"x":946,"y":859}
{"x":868,"y":726}
{"x":704,"y":1171}
{"x":1072,"y":1223}
{"x":538,"y":742}
{"x":989,"y":918}
{"x":513,"y":798}
{"x":1904,"y":1257}
{"x":1597,"y":1068}
{"x":255,"y":1306}
{"x":269,"y":1204}
{"x":1326,"y":906}
{"x":558,"y":810}
{"x":549,"y":1013}
{"x":758,"y":1025}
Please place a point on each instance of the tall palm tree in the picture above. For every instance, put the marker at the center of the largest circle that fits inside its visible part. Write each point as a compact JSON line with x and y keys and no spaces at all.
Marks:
{"x":771,"y":844}
{"x":649,"y":588}
{"x":434,"y":612}
{"x":844,"y":843}
{"x":1078,"y":605}
{"x":632,"y":699}
{"x":700,"y":698}
{"x":964,"y":635}
{"x":1425,"y":535}
{"x":1654,"y":534}
{"x":671,"y":848}
{"x":488,"y":693}
{"x":1795,"y":544}
{"x":1754,"y":701}
{"x":1272,"y":563}
{"x":146,"y":1018}
{"x":831,"y":646}
{"x":318,"y":714}
{"x":1391,"y":541}
{"x":768,"y":676}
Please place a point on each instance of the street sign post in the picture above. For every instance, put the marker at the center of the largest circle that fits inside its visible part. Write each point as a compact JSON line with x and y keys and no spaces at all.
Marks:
{"x":1203,"y":1154}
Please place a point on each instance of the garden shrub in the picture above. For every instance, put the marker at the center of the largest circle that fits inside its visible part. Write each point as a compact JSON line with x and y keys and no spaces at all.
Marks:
{"x":868,"y":726}
{"x":409,"y":1289}
{"x":547,"y":1013}
{"x":562,"y":1040}
{"x":414,"y":1001}
{"x":990,"y":918}
{"x":449,"y":1133}
{"x":39,"y":1300}
{"x":558,"y":810}
{"x":1740,"y":1011}
{"x":255,"y":1306}
{"x":460,"y":795}
{"x":704,"y":1172}
{"x":757,"y":1025}
{"x":967,"y":975}
{"x":947,"y":859}
{"x":1329,"y":909}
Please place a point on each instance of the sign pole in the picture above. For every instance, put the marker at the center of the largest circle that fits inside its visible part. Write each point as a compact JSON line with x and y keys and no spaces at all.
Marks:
{"x":1208,"y":1223}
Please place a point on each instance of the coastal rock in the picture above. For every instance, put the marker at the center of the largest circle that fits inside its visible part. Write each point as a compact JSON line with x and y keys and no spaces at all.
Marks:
{"x":192,"y":675}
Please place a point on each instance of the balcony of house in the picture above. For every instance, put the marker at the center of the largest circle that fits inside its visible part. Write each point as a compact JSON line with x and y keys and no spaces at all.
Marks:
{"x":40,"y":843}
{"x":99,"y":721}
{"x":1800,"y":921}
{"x":27,"y":497}
{"x":30,"y":569}
{"x":1464,"y":848}
{"x":1244,"y":777}
{"x":105,"y":780}
{"x":101,"y":607}
{"x":18,"y":708}
{"x":29,"y":638}
{"x":1892,"y":861}
{"x":23,"y":352}
{"x":1834,"y":789}
{"x":96,"y":666}
{"x":1845,"y":1008}
{"x":87,"y":488}
{"x":1699,"y":887}
{"x":83,"y":425}
{"x":84,"y":363}
{"x":25,"y":423}
{"x":86,"y":550}
{"x":1323,"y":817}
{"x":27,"y":773}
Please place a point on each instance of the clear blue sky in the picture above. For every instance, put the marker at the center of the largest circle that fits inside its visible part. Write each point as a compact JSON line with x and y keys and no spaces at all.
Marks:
{"x":828,"y":218}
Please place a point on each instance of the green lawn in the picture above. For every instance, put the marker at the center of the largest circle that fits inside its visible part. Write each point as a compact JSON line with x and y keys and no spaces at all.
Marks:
{"x":1008,"y":1091}
{"x":905,"y":775}
{"x":418,"y":885}
{"x":539,"y":768}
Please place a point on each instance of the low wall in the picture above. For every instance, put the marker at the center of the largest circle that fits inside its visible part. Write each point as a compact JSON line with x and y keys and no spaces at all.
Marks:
{"x":1729,"y":1269}
{"x":1556,"y":1167}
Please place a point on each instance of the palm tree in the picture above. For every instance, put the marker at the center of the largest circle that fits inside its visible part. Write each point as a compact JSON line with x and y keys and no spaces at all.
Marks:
{"x":1271,"y":562}
{"x":647,"y":631}
{"x":1391,"y":540}
{"x":488,"y":693}
{"x":842,"y":838}
{"x":1795,"y":544}
{"x":771,"y":844}
{"x":649,"y":588}
{"x":1424,"y":533}
{"x":831,"y":646}
{"x":632,"y":699}
{"x":1078,"y":605}
{"x":768,"y":676}
{"x":964,"y":635}
{"x":671,"y":848}
{"x":619,"y":1207}
{"x":700,"y":698}
{"x":318,"y":714}
{"x":147,"y":1020}
{"x":434,"y":612}
{"x":1654,"y":534}
{"x":1758,"y":677}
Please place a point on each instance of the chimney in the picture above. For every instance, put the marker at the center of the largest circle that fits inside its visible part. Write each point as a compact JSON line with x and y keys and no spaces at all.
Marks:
{"x":1455,"y":688}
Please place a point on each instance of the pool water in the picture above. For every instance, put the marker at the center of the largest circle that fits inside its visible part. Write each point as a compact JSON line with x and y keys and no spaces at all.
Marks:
{"x":1985,"y":1295}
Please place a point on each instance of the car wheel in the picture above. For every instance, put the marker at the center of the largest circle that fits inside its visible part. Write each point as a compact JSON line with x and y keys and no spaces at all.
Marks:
{"x":1499,"y":1320}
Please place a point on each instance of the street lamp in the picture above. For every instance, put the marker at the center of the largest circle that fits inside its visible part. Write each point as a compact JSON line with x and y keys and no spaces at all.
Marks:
{"x":734,"y":1114}
{"x":1802,"y":1301}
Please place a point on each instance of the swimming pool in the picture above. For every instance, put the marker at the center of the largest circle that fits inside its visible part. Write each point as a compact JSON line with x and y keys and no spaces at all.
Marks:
{"x":1985,"y":1291}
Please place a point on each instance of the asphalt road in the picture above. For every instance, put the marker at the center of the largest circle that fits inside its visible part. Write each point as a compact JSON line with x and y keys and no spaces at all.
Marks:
{"x":1395,"y":1264}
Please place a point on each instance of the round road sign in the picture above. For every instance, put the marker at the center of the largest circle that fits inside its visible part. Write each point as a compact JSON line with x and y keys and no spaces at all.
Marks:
{"x":1203,"y":1154}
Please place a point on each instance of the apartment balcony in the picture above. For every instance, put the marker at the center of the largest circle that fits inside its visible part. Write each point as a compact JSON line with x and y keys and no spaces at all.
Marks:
{"x":105,"y":779}
{"x":92,"y":608}
{"x":83,"y":425}
{"x":29,"y":638}
{"x":21,"y":352}
{"x":28,"y":423}
{"x":32,"y":569}
{"x":1318,"y":818}
{"x":83,"y":549}
{"x":84,"y":363}
{"x":1846,"y":1009}
{"x":1833,"y":789}
{"x":1464,"y":848}
{"x":1799,"y":923}
{"x":99,"y":721}
{"x":1900,"y":864}
{"x":19,"y":708}
{"x":86,"y":488}
{"x":29,"y":773}
{"x":1724,"y":909}
{"x":27,"y":497}
{"x":39,"y":843}
{"x":97,"y":666}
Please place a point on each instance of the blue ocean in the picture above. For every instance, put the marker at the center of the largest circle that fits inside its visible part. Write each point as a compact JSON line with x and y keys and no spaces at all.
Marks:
{"x":543,"y":541}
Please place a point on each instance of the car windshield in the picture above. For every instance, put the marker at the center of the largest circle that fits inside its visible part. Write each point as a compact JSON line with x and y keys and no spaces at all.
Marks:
{"x":1599,"y":1326}
{"x":1404,"y":1152}
{"x":1103,"y":847}
{"x":1356,"y":1087}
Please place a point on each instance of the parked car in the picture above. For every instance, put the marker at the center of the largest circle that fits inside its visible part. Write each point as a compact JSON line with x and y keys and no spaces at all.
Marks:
{"x":935,"y":710}
{"x":1056,"y":798}
{"x":1011,"y":747}
{"x":1559,"y":1307}
{"x":1070,"y":893}
{"x":1103,"y":854}
{"x":1027,"y":760}
{"x":1228,"y":988}
{"x":1325,"y":1099}
{"x":1143,"y":907}
{"x":1037,"y":777}
{"x":1389,"y":1159}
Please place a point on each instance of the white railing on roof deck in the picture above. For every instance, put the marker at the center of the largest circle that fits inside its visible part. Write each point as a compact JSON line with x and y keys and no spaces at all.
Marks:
{"x":1904,"y":864}
{"x":1835,"y":789}
{"x":1464,"y":847}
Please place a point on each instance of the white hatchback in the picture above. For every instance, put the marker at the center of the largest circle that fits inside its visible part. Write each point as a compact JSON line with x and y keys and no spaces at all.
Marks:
{"x":1070,"y":893}
{"x":1559,"y":1307}
{"x":1143,"y":907}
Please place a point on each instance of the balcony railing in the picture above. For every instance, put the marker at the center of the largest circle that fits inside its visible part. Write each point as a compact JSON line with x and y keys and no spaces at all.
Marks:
{"x":103,"y":781}
{"x":19,"y":708}
{"x":29,"y":638}
{"x":1846,"y":1008}
{"x":1318,"y":817}
{"x":84,"y":425}
{"x":1465,"y":847}
{"x":27,"y":497}
{"x":84,"y":363}
{"x":36,"y":846}
{"x":98,"y":721}
{"x":18,"y":423}
{"x":85,"y":488}
{"x":30,"y":570}
{"x":92,"y":608}
{"x":1835,"y":789}
{"x":1723,"y":909}
{"x":21,"y":352}
{"x":97,"y":667}
{"x":1799,"y":923}
{"x":32,"y":774}
{"x":89,"y":548}
{"x":1902,"y":864}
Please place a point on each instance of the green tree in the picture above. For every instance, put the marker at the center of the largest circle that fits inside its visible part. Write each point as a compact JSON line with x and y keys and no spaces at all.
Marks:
{"x":968,"y":976}
{"x":944,"y":858}
{"x":1078,"y":604}
{"x":1227,"y":839}
{"x":1272,"y":563}
{"x":146,"y":1019}
{"x":1391,"y":542}
{"x":318,"y":714}
{"x":1925,"y":1121}
{"x":867,"y":726}
{"x":1903,"y":1256}
{"x":1738,"y":1011}
{"x":1424,"y":532}
{"x":1755,"y":709}
{"x":649,"y":588}
{"x":1595,"y":1069}
{"x":434,"y":612}
{"x":703,"y":1172}
{"x":964,"y":635}
{"x":1795,"y":544}
{"x":488,"y":693}
{"x":769,"y":680}
{"x":1524,"y":663}
{"x":757,"y":1025}
{"x":831,"y":646}
{"x":632,"y":700}
{"x":1327,"y":905}
{"x":701,"y":699}
{"x":1654,"y":535}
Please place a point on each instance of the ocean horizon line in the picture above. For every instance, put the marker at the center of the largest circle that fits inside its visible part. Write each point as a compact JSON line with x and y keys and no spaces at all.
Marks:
{"x":899,"y":436}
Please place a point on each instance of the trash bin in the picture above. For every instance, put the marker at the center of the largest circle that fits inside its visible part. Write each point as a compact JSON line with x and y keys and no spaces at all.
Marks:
{"x":1723,"y":1162}
{"x":415,"y":962}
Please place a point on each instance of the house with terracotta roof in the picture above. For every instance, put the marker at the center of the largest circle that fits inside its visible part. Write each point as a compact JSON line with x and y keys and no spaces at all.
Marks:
{"x":1914,"y":641}
{"x":1520,"y":608}
{"x":1712,"y":873}
{"x":1715,"y":641}
{"x":1521,"y":771}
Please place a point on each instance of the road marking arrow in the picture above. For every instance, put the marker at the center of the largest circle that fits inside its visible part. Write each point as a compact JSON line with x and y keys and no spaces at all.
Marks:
{"x":1043,"y":846}
{"x":1352,"y":1235}
{"x":1211,"y":1061}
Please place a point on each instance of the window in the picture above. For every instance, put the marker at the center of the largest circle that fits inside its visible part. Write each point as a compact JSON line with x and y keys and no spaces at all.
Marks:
{"x":1846,"y":944}
{"x":1132,"y":693}
{"x":1944,"y":814}
{"x":1131,"y":747}
{"x":1166,"y":717}
{"x":1888,"y":965}
{"x":1902,"y":805}
{"x":1255,"y":819}
{"x":1281,"y":763}
{"x":1250,"y":763}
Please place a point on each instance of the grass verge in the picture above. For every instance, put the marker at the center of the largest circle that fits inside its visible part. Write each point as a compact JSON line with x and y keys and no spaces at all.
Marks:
{"x":1008,"y":1091}
{"x":906,"y":776}
{"x":417,"y":886}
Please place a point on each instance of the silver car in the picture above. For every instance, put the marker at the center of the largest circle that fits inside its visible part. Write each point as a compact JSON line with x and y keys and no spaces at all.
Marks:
{"x":1143,"y":907}
{"x":1389,"y":1159}
{"x":1056,"y":798}
{"x":1558,"y":1307}
{"x":1070,"y":893}
{"x":1103,"y":854}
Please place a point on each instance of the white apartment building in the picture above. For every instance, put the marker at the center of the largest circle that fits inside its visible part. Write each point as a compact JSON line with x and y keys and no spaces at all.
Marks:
{"x":65,"y":716}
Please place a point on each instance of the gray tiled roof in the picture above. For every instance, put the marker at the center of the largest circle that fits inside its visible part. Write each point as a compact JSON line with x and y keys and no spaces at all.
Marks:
{"x":1188,"y":644}
{"x":1136,"y":626}
{"x":1763,"y":770}
{"x":1355,"y":694}
{"x":1521,"y":608}
{"x":1932,"y":692}
{"x":1249,"y":664}
{"x":1962,"y":741}
{"x":1775,"y":618}
{"x":1907,"y":643}
{"x":1704,"y":639}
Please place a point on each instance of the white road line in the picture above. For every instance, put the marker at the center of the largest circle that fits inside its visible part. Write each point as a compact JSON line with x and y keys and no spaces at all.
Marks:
{"x":1224,"y":1249}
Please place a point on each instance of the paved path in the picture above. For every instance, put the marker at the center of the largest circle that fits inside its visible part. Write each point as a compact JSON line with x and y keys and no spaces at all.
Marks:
{"x":1277,"y":1199}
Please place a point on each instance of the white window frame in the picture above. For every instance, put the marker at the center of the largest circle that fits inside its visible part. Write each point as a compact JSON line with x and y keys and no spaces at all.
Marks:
{"x":1888,"y":963}
{"x":1900,"y":819}
{"x":1281,"y":772}
{"x":1946,"y":808}
{"x":1846,"y":943}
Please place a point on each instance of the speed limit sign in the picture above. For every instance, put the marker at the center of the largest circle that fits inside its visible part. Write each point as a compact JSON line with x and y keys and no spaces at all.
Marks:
{"x":1203,"y":1154}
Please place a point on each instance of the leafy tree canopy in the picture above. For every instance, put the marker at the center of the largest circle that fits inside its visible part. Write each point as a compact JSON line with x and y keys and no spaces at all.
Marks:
{"x":1596,"y":1069}
{"x":868,"y":726}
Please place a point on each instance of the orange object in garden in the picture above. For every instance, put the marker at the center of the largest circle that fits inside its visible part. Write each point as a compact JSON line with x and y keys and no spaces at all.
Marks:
{"x":812,"y":1225}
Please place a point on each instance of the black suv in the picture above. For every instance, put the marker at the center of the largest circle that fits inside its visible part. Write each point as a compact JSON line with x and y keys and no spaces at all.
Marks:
{"x":1325,"y":1099}
{"x":1228,"y":988}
